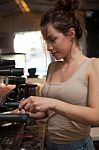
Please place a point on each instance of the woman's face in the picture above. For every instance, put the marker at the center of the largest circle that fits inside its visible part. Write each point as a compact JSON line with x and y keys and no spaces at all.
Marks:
{"x":57,"y":43}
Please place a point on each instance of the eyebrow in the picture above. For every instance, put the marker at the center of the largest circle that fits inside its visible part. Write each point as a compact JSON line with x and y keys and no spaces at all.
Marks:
{"x":50,"y":36}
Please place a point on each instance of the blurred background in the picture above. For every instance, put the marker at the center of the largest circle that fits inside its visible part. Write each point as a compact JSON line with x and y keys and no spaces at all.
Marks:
{"x":22,"y":44}
{"x":20,"y":32}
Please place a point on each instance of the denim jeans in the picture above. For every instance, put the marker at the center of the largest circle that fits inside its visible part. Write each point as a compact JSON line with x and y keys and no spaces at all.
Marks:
{"x":85,"y":144}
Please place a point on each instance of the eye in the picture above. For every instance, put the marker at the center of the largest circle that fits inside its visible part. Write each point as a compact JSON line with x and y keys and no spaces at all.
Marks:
{"x":52,"y":40}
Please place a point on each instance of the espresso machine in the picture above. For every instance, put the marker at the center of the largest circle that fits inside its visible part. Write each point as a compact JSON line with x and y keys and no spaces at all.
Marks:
{"x":12,"y":76}
{"x":11,"y":125}
{"x":17,"y":131}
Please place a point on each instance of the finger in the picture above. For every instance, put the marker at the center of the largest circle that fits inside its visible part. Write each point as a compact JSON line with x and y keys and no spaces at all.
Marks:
{"x":15,"y":111}
{"x":22,"y":104}
{"x":27,"y":106}
{"x":32,"y":109}
{"x":23,"y":111}
{"x":22,"y":99}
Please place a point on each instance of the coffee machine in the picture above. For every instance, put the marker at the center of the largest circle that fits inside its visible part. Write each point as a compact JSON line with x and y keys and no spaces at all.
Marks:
{"x":12,"y":76}
{"x":11,"y":125}
{"x":17,"y":131}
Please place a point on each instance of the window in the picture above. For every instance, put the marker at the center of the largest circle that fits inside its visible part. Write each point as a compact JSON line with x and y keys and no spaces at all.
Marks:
{"x":32,"y":44}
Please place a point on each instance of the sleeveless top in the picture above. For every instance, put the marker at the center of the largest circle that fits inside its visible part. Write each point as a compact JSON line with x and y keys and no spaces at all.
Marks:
{"x":74,"y":91}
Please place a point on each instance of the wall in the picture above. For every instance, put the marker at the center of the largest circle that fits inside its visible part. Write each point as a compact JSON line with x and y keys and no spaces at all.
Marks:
{"x":16,"y":23}
{"x":23,"y":22}
{"x":92,"y":24}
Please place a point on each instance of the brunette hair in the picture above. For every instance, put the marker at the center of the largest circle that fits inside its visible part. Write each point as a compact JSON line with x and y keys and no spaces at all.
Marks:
{"x":63,"y":17}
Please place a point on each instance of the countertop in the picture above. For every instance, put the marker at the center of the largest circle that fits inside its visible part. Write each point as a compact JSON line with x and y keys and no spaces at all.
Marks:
{"x":95,"y":133}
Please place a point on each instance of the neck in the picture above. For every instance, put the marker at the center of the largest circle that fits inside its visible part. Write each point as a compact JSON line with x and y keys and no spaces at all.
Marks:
{"x":75,"y":55}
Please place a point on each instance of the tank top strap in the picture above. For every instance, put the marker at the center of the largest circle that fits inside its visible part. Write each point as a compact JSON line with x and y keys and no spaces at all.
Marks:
{"x":84,"y":66}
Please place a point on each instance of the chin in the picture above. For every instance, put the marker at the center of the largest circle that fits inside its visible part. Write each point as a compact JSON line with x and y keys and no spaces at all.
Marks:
{"x":58,"y":58}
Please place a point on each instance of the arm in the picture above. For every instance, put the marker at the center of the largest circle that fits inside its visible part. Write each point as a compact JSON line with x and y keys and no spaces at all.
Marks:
{"x":83,"y":114}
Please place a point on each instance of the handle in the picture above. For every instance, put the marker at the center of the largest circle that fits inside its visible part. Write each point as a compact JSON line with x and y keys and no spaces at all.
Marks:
{"x":11,"y":104}
{"x":22,"y":118}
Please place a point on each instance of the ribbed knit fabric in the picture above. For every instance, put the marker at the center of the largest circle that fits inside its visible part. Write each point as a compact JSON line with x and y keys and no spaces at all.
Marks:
{"x":74,"y":91}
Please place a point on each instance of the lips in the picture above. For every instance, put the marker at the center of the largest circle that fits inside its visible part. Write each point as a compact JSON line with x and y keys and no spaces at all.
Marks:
{"x":54,"y":53}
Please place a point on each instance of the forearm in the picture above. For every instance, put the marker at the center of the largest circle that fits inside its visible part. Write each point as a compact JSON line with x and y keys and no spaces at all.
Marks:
{"x":81,"y":114}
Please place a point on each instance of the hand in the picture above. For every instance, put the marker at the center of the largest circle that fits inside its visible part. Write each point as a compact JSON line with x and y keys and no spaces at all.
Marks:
{"x":17,"y":111}
{"x":36,"y":104}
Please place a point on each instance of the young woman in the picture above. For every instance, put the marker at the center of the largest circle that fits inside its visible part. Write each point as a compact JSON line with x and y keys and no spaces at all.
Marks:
{"x":70,"y":96}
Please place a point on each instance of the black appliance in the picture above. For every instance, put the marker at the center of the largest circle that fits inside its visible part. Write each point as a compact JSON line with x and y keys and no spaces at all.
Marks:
{"x":17,"y":131}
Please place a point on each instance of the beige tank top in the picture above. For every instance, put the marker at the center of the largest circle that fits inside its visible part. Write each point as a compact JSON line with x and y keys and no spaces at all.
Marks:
{"x":74,"y":91}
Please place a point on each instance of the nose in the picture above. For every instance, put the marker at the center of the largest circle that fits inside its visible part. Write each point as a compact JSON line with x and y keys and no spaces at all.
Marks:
{"x":49,"y":47}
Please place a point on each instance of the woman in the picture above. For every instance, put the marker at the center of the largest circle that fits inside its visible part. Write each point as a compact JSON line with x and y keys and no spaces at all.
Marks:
{"x":70,"y":96}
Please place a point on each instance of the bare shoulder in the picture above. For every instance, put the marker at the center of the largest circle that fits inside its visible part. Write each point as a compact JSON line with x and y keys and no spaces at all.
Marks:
{"x":94,"y":66}
{"x":53,"y":64}
{"x":52,"y":67}
{"x":95,"y":63}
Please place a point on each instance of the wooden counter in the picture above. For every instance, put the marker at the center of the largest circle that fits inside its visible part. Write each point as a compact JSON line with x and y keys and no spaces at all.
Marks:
{"x":38,"y":81}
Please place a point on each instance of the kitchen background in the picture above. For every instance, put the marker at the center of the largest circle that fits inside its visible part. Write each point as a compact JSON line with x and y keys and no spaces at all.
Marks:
{"x":20,"y":32}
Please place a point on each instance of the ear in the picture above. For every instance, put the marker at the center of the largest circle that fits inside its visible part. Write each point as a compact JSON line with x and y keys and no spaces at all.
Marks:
{"x":71,"y":33}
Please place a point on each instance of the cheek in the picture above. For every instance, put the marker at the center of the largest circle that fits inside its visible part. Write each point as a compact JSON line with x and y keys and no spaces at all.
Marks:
{"x":66,"y":45}
{"x":64,"y":50}
{"x":61,"y":44}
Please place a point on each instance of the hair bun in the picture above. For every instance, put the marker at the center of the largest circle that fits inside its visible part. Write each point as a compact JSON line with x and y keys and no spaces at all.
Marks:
{"x":68,"y":5}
